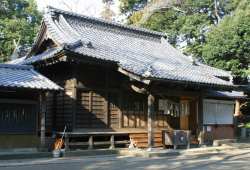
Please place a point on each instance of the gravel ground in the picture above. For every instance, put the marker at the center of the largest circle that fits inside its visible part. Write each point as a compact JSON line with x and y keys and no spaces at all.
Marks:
{"x":229,"y":159}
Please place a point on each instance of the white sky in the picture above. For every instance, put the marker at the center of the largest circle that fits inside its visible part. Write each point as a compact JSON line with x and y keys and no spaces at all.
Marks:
{"x":86,"y":7}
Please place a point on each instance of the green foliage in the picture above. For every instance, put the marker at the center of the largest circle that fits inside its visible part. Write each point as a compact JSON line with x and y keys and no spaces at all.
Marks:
{"x":247,"y":125}
{"x":219,"y":35}
{"x":19,"y":21}
{"x":228,"y":45}
{"x":131,"y":5}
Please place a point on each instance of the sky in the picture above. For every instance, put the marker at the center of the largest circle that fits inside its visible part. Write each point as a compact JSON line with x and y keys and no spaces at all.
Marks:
{"x":85,"y":7}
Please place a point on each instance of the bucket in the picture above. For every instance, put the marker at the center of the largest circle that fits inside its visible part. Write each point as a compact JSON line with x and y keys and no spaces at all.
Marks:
{"x":56,"y":153}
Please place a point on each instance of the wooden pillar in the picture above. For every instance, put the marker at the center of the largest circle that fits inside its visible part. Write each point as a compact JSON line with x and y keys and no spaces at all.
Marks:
{"x":237,"y":108}
{"x":237,"y":114}
{"x":150,"y":115}
{"x":189,"y":138}
{"x":106,"y":101}
{"x":43,"y":119}
{"x":54,"y":127}
{"x":200,"y":118}
{"x":74,"y":102}
{"x":91,"y":142}
{"x":74,"y":97}
{"x":120,"y":110}
{"x":112,"y":142}
{"x":66,"y":142}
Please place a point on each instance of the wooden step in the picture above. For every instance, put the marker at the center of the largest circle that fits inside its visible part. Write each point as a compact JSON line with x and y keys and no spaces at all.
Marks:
{"x":145,"y":145}
{"x":141,"y":139}
{"x":145,"y":135}
{"x":146,"y":140}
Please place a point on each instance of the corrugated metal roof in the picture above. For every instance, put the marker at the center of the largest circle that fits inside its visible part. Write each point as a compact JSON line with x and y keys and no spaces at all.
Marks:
{"x":139,"y":51}
{"x":22,"y":76}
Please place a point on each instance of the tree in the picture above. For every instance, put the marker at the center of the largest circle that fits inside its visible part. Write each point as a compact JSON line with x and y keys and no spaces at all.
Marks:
{"x":200,"y":28}
{"x":19,"y":21}
{"x":129,"y":6}
{"x":107,"y":12}
{"x":227,"y":45}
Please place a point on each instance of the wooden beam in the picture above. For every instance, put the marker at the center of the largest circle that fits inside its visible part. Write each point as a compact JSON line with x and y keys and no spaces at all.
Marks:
{"x":173,"y":91}
{"x":139,"y":90}
{"x":133,"y":76}
{"x":150,"y":114}
{"x":19,"y":101}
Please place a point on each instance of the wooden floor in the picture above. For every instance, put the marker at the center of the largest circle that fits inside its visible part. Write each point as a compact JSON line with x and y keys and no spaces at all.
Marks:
{"x":124,"y":130}
{"x":138,"y":136}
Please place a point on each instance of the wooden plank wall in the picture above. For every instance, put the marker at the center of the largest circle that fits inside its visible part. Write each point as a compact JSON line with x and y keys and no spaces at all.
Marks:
{"x":49,"y":112}
{"x":134,"y":111}
{"x":103,"y":99}
{"x":114,"y":109}
{"x":98,"y":97}
{"x":90,"y":110}
{"x":59,"y":109}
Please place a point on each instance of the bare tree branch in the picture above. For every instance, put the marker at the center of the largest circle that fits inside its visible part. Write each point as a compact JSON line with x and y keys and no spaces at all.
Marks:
{"x":158,"y":5}
{"x":216,"y":11}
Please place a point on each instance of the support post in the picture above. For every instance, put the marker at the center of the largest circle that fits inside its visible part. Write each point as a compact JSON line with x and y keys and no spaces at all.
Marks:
{"x":66,"y":142}
{"x":74,"y":102}
{"x":150,"y":114}
{"x":237,"y":114}
{"x":200,"y":119}
{"x":237,"y":108}
{"x":106,"y":100}
{"x":120,"y":110}
{"x":54,"y":112}
{"x":112,"y":142}
{"x":43,"y":118}
{"x":188,"y":138}
{"x":91,"y":142}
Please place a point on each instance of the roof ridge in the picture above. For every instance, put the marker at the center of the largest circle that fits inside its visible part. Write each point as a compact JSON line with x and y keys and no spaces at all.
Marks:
{"x":116,"y":24}
{"x":16,"y":66}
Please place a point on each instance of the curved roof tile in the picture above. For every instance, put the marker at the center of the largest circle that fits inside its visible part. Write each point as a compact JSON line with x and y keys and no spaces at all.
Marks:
{"x":133,"y":49}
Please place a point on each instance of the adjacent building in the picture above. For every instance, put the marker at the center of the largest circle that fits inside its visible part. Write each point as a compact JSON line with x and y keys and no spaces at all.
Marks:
{"x":21,"y":108}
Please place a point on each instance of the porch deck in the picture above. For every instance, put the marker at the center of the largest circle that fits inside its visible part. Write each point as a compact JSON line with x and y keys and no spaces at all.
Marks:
{"x":139,"y":136}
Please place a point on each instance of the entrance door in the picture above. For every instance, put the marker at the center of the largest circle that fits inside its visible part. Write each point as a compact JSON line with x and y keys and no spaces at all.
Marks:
{"x":184,"y":114}
{"x":188,"y":116}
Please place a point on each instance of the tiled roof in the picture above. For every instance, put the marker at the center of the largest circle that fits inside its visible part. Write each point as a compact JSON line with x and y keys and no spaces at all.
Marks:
{"x":226,"y":94}
{"x":139,"y":51}
{"x":17,"y":61}
{"x":21,"y":76}
{"x":36,"y":58}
